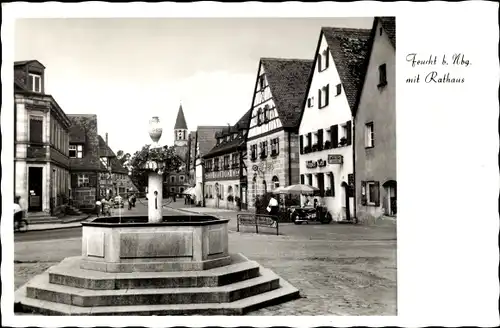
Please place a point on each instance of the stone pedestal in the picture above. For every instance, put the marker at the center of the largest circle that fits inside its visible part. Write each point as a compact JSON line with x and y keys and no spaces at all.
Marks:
{"x":155,"y":196}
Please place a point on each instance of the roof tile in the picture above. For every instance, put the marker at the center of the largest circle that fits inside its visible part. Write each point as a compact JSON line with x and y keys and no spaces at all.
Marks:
{"x":288,"y":80}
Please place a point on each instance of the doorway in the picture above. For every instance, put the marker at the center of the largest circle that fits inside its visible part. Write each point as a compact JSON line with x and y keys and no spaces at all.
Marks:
{"x":391,"y":197}
{"x":35,"y":189}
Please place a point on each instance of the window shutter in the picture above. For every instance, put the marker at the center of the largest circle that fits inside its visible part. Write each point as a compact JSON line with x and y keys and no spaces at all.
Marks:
{"x":301,"y":138}
{"x":327,"y":57}
{"x":332,"y":183}
{"x":93,"y":180}
{"x":377,"y":194}
{"x":319,"y":99}
{"x":74,"y":180}
{"x":319,"y":62}
{"x":327,"y":95}
{"x":301,"y":179}
{"x":363,"y":197}
{"x":349,"y":132}
{"x":335,"y":136}
{"x":339,"y":89}
{"x":320,"y":137}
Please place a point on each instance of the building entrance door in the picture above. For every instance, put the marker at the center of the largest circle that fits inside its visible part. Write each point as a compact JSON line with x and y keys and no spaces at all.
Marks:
{"x":35,"y":189}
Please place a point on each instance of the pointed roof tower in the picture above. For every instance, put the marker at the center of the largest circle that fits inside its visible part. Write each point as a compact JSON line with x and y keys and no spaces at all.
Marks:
{"x":180,"y":122}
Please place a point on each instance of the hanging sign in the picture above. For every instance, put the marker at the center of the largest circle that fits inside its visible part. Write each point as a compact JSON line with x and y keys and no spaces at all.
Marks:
{"x":321,"y":163}
{"x":311,"y":164}
{"x":335,"y":159}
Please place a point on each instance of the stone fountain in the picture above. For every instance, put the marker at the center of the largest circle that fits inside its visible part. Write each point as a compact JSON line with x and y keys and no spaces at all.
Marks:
{"x":155,"y":265}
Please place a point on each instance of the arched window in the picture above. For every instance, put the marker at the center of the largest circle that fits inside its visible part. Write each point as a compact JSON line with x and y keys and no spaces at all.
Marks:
{"x":264,"y":186}
{"x":276,"y":182}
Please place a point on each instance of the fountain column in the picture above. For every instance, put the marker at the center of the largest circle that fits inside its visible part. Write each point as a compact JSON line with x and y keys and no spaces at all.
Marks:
{"x":155,"y":175}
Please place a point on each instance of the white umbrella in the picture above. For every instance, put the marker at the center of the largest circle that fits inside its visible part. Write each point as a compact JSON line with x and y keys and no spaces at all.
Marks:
{"x":299,"y":189}
{"x":189,"y":191}
{"x":279,"y":190}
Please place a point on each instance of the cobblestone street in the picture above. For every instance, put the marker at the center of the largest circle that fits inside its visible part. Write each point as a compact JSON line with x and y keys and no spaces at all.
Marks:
{"x":339,"y":269}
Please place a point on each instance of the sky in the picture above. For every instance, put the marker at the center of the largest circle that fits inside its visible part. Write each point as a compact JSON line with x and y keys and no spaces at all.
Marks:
{"x":127,"y":70}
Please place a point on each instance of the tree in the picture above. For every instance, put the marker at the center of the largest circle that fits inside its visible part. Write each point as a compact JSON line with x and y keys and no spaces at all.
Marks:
{"x":165,"y":155}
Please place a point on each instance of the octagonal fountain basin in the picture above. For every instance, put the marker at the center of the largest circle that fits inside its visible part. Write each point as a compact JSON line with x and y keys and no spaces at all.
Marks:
{"x":132,"y":244}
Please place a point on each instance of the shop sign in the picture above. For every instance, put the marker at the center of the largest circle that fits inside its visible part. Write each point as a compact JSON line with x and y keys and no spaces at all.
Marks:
{"x":321,"y":163}
{"x":335,"y":159}
{"x":311,"y":164}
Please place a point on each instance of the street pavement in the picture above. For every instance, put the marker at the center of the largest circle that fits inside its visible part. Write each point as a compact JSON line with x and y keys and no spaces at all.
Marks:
{"x":339,"y":269}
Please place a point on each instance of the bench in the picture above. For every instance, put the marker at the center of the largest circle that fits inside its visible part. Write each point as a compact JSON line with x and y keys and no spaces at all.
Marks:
{"x":257,"y":220}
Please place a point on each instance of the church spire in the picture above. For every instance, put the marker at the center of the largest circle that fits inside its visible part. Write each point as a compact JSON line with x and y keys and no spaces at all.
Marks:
{"x":180,"y":122}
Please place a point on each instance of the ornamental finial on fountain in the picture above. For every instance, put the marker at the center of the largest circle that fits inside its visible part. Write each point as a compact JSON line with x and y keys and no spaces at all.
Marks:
{"x":155,"y":131}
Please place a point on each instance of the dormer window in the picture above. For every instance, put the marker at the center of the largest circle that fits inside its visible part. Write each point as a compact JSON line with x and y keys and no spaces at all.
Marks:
{"x":105,"y":161}
{"x":76,"y":151}
{"x":35,"y":82}
{"x":323,"y":96}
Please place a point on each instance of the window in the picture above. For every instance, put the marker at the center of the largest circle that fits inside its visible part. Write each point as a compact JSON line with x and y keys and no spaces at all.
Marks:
{"x":36,"y":129}
{"x":263,"y":149}
{"x":331,"y":192}
{"x":323,"y":60}
{"x":323,"y":96}
{"x":172,"y":189}
{"x":75,"y":151}
{"x":276,"y":182}
{"x":260,"y":117}
{"x":262,"y":82}
{"x":181,"y":190}
{"x":181,"y":178}
{"x":275,"y":146}
{"x":321,"y":184}
{"x":310,"y":179}
{"x":339,"y":89}
{"x":83,"y":180}
{"x":208,"y":165}
{"x":216,"y":164}
{"x":226,"y":162}
{"x":373,"y":193}
{"x":369,"y":137}
{"x":382,"y":75}
{"x":253,"y":149}
{"x":234,"y":161}
{"x":267,"y":113}
{"x":172,"y":179}
{"x":310,"y":102}
{"x":35,"y":82}
{"x":345,"y":134}
{"x":302,"y":179}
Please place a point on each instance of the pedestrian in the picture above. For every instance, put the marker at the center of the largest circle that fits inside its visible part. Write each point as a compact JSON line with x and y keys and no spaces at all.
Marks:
{"x":106,"y":206}
{"x":133,"y":199}
{"x":129,"y":202}
{"x":18,"y":211}
{"x":98,"y":205}
{"x":174,"y":197}
{"x":272,"y":207}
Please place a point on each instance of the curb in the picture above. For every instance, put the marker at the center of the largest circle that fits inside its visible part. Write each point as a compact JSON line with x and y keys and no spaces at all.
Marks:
{"x":71,"y":224}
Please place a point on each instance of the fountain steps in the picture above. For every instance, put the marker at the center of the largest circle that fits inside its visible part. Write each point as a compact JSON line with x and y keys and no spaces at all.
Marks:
{"x":66,"y":289}
{"x":69,"y":274}
{"x":285,"y":293}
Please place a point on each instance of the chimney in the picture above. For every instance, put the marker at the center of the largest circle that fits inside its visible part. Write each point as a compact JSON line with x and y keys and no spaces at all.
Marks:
{"x":106,"y":138}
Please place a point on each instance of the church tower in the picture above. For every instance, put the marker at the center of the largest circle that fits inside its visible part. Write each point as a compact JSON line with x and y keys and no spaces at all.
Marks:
{"x":181,"y":135}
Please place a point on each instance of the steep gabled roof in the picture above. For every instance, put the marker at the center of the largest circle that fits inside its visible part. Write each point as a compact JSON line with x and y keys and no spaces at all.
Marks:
{"x":231,"y":145}
{"x":349,"y":49}
{"x":287,"y":79}
{"x":104,"y":150}
{"x":389,"y":26}
{"x":180,"y":122}
{"x":25,"y":62}
{"x":84,"y":130}
{"x":206,"y":138}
